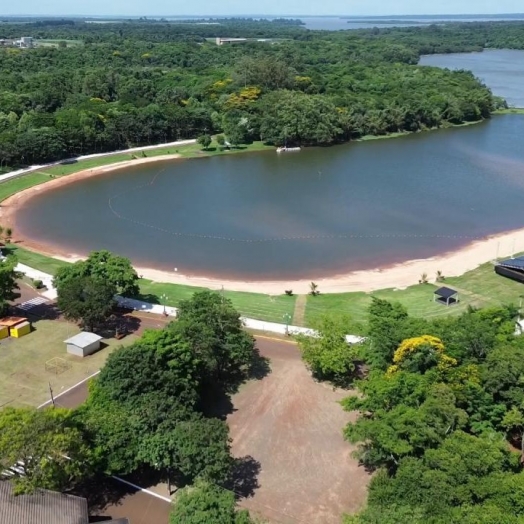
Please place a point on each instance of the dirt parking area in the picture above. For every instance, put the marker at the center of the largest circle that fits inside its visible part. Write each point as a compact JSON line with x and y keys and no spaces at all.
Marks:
{"x":290,"y":427}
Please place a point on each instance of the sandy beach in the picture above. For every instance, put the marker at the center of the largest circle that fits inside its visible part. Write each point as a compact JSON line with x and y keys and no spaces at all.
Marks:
{"x":398,"y":276}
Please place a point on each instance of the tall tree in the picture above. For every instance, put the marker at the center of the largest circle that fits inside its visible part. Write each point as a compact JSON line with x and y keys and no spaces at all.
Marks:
{"x":214,"y":329}
{"x":8,"y":283}
{"x":86,"y":299}
{"x":328,"y":355}
{"x":205,"y":503}
{"x":46,"y":447}
{"x":106,"y":266}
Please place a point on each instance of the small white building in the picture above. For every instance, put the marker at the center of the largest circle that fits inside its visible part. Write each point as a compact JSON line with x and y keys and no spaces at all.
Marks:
{"x":83,"y":344}
{"x":26,"y":41}
{"x":230,"y":41}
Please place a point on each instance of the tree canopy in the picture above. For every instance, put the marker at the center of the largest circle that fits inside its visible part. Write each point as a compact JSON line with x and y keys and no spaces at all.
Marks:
{"x":88,"y":300}
{"x":102,"y":265}
{"x":8,"y":283}
{"x":136,"y":83}
{"x":205,"y":503}
{"x":440,"y":417}
{"x":46,"y":446}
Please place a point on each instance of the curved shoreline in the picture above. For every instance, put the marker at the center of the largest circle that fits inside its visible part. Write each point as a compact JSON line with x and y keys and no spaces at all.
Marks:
{"x":399,"y":276}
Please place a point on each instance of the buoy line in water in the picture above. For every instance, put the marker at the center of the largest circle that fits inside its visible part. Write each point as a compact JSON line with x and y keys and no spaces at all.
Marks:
{"x":347,"y":236}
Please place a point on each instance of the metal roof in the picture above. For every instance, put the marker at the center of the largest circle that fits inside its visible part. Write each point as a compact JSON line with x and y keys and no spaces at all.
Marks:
{"x":41,"y":507}
{"x":513,"y":263}
{"x":445,"y":292}
{"x":83,"y":339}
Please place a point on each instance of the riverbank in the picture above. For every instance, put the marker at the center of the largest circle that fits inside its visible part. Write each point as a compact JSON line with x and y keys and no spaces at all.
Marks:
{"x":398,"y":276}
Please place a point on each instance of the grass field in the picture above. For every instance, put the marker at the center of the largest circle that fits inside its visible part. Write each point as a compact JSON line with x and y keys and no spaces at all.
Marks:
{"x":252,"y":305}
{"x":49,"y":42}
{"x":10,"y":187}
{"x":34,"y":260}
{"x":481,"y":287}
{"x":24,"y":380}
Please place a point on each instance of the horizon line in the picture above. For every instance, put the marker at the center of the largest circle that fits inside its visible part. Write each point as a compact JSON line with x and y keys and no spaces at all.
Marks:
{"x":287,"y":15}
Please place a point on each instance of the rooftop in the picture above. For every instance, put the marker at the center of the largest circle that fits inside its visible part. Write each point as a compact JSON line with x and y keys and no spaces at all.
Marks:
{"x":445,"y":292}
{"x":513,"y":263}
{"x":83,"y":339}
{"x":41,"y":507}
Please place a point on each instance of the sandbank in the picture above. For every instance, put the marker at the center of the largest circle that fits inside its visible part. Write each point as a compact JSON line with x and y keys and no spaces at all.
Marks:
{"x":399,"y":276}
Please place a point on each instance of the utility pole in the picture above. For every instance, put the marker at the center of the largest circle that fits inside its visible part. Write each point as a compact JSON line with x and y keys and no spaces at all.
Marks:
{"x":51,"y":394}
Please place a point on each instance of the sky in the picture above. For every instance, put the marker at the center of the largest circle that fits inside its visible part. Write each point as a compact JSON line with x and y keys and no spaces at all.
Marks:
{"x":267,"y":7}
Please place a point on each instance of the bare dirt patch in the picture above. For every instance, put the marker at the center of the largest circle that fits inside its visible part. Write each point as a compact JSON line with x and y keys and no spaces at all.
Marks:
{"x":292,"y":426}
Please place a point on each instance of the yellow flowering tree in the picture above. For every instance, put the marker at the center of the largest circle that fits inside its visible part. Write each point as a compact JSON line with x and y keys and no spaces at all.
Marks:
{"x":420,"y":354}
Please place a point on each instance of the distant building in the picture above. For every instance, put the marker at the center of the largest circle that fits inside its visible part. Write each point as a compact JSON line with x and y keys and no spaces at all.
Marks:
{"x":222,"y":41}
{"x":26,"y":41}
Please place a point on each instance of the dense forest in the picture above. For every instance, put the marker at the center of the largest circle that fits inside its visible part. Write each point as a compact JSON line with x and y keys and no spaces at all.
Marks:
{"x":111,"y":86}
{"x":441,"y":413}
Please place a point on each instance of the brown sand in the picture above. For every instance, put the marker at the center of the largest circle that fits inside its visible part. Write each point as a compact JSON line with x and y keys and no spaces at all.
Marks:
{"x":398,"y":276}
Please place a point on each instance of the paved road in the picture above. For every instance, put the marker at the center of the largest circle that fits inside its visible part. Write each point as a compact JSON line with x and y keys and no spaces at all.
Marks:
{"x":141,"y":507}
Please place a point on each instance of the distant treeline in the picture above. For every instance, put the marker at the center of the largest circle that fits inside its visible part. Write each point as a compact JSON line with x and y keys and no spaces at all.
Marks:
{"x":134,"y":83}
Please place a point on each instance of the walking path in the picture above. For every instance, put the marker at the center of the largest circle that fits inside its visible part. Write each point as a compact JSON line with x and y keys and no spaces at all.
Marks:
{"x":300,"y":310}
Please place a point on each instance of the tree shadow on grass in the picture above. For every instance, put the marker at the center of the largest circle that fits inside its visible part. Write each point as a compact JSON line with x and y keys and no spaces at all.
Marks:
{"x":244,"y":476}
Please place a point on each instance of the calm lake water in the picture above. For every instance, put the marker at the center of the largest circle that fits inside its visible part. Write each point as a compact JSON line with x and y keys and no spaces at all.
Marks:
{"x":500,"y":69}
{"x":335,"y":23}
{"x":318,"y":212}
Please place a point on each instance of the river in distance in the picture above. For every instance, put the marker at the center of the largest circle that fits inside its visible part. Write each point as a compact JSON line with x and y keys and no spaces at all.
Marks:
{"x":311,"y":214}
{"x":500,"y":69}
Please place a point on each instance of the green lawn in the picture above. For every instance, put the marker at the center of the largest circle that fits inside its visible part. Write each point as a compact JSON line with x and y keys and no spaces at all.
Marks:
{"x":252,"y":305}
{"x":35,"y":260}
{"x":10,"y":187}
{"x":187,"y":151}
{"x":24,"y":379}
{"x":481,"y":287}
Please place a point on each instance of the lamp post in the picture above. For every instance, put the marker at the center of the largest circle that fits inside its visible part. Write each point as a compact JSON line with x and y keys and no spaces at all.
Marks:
{"x":164,"y":300}
{"x":287,"y":320}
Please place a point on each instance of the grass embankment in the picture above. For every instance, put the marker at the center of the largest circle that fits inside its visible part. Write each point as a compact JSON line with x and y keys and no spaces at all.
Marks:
{"x":253,"y":305}
{"x":510,"y":111}
{"x":481,"y":287}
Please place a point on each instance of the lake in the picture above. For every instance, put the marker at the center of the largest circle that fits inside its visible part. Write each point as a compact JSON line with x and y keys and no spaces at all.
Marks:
{"x":336,"y":23}
{"x":500,"y":69}
{"x":315,"y":213}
